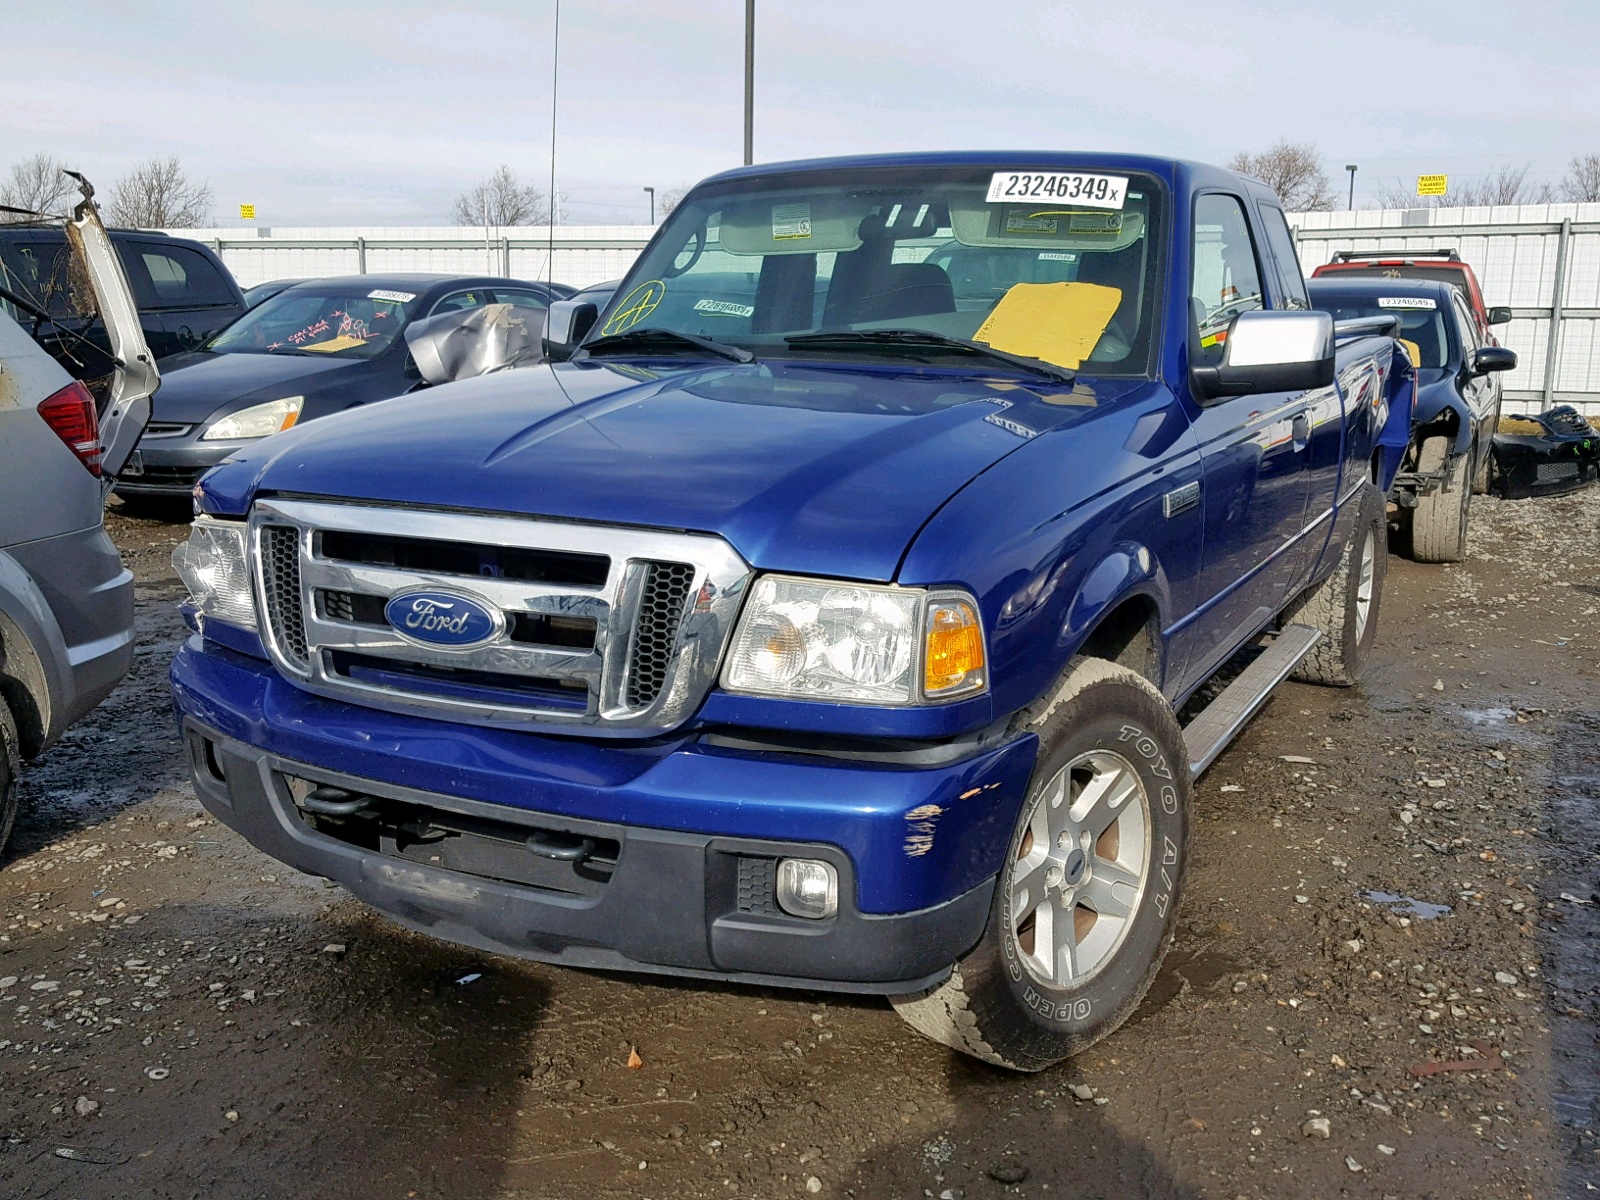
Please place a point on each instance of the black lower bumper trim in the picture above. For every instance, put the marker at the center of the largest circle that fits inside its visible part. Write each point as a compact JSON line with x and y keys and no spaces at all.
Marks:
{"x":661,"y":901}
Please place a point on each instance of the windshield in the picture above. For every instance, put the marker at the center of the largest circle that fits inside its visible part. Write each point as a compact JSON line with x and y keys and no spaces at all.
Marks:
{"x":1059,"y":266}
{"x":340,"y":322}
{"x":1422,"y":322}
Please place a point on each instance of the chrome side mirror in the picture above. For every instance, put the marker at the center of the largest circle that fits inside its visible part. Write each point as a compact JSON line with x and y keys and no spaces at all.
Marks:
{"x":1281,"y":351}
{"x":568,"y":323}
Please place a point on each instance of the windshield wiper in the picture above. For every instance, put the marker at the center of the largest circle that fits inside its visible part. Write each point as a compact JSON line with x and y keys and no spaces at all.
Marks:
{"x":919,"y":339}
{"x":638,"y":339}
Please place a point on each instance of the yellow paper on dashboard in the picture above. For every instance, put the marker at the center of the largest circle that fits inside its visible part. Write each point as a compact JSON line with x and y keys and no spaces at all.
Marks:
{"x":1414,"y":350}
{"x":343,"y":342}
{"x":1057,"y":322}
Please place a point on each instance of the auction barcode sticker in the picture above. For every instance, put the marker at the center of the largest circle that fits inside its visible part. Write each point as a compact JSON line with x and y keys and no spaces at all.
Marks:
{"x":1092,"y":191}
{"x":392,"y":297}
{"x":1407,"y":302}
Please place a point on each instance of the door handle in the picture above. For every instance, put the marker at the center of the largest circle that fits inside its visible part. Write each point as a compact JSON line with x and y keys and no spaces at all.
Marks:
{"x":1302,"y":430}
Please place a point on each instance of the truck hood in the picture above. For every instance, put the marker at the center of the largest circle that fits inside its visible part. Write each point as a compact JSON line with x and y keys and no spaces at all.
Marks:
{"x":811,"y":469}
{"x":197,"y":383}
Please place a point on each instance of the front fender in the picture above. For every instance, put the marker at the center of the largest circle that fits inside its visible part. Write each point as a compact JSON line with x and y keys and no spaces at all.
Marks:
{"x":1126,"y":572}
{"x":1441,"y":403}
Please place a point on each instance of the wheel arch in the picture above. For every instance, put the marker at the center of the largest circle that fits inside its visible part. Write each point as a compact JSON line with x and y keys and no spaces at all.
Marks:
{"x":1116,"y":613}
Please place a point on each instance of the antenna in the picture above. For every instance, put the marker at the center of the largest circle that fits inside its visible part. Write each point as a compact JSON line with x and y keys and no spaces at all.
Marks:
{"x":555,"y":63}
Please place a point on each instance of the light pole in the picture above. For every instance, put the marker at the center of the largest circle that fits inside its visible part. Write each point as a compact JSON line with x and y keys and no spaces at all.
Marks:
{"x":749,"y":80}
{"x":652,"y":192}
{"x":1351,"y":167}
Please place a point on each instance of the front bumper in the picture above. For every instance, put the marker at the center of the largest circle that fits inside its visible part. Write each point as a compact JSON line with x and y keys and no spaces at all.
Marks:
{"x":916,"y":848}
{"x":171,"y":467}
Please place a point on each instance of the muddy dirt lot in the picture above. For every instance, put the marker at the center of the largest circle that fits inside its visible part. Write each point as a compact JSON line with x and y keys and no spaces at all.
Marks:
{"x":1384,"y":983}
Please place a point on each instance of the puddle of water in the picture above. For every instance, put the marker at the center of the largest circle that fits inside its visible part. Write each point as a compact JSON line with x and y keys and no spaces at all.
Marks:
{"x":1487,"y":716}
{"x":1422,"y":910}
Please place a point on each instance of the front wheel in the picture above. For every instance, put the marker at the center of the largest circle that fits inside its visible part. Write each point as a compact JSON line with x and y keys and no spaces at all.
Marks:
{"x":1085,"y":905}
{"x":1345,"y":605}
{"x":1439,"y":521}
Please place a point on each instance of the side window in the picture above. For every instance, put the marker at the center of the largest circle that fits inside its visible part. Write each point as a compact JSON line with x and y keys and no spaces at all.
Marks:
{"x":1226,"y":279}
{"x":1281,"y":242}
{"x":1468,"y":327}
{"x":183,"y":278}
{"x":521,"y":298}
{"x":458,"y":301}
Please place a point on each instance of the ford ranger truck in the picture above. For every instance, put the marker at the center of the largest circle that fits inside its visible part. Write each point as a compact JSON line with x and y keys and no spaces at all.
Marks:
{"x":817,"y":614}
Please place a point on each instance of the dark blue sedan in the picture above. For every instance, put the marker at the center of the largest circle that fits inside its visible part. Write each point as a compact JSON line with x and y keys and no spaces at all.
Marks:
{"x":314,"y":348}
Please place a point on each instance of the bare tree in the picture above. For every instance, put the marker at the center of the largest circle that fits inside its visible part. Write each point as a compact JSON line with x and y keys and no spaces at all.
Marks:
{"x":670,"y":199}
{"x":1294,"y":171}
{"x":1582,"y":182}
{"x":36,"y":184}
{"x":158,"y":194}
{"x":1508,"y":185}
{"x":502,"y":199}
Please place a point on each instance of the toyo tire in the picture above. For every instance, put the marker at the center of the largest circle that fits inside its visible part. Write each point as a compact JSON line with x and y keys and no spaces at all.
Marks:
{"x":1087,"y":899}
{"x":1439,"y":521}
{"x":10,"y":772}
{"x":1345,"y":605}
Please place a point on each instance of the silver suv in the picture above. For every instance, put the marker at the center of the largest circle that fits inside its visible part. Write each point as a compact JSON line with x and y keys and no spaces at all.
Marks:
{"x":66,"y":603}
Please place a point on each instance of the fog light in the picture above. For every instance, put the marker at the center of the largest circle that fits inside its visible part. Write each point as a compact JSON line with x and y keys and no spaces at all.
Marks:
{"x":808,"y":888}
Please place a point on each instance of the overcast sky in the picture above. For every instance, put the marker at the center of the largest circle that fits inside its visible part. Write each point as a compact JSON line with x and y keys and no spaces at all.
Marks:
{"x":342,"y":114}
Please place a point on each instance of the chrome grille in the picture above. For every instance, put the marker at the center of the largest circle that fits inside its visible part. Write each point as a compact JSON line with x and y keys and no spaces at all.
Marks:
{"x":617,"y":630}
{"x":280,"y":577}
{"x":655,"y":631}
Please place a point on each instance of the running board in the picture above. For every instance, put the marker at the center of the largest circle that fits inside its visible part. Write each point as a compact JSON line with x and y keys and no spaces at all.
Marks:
{"x":1209,"y":734}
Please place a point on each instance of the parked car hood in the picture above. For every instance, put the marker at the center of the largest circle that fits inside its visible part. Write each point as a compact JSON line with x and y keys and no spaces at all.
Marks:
{"x":196,"y":384}
{"x":812,"y":469}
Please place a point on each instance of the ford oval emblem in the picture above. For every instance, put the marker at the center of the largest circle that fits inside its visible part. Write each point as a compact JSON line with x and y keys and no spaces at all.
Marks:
{"x":447,"y":619}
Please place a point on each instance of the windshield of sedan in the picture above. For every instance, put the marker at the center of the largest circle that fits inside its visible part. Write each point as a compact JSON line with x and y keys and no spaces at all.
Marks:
{"x":1056,"y":266}
{"x":1423,"y":326}
{"x":339,"y":322}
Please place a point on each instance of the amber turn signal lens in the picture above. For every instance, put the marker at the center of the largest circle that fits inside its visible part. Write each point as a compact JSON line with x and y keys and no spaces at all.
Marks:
{"x":954,"y":659}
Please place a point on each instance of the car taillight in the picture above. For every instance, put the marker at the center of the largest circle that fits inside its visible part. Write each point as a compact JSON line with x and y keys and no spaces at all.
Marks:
{"x":70,"y":412}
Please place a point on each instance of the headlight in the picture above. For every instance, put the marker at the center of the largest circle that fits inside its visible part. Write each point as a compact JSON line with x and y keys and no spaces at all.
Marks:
{"x":257,"y":421}
{"x":845,"y":641}
{"x":213,"y":566}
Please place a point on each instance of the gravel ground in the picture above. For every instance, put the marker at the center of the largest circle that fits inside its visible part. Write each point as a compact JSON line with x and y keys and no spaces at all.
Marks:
{"x":1384,"y":981}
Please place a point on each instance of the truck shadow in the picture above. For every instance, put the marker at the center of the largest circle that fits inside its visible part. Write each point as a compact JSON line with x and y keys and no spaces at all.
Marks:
{"x":1032,"y":1140}
{"x":392,"y":1066}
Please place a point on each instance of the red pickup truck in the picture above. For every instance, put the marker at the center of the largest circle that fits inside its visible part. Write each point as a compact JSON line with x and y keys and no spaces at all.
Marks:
{"x":1444,"y":266}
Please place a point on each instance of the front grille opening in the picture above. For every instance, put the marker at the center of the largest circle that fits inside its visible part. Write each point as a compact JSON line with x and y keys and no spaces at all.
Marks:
{"x":280,"y":571}
{"x":353,"y":608}
{"x":548,"y":857}
{"x":212,"y":761}
{"x":655,"y":634}
{"x":466,"y":558}
{"x":455,"y":683}
{"x":542,"y":629}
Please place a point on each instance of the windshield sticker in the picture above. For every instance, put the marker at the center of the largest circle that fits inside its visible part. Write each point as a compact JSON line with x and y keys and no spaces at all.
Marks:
{"x":1057,"y":322}
{"x":638,"y":305}
{"x":1092,"y":191}
{"x":1057,"y":256}
{"x":394,"y":297}
{"x":1018,"y":223}
{"x":1407,"y":302}
{"x":790,"y":221}
{"x":724,"y":308}
{"x":334,"y":345}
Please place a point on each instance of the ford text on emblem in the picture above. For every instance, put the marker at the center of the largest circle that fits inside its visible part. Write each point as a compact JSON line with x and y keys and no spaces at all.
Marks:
{"x":446,"y":619}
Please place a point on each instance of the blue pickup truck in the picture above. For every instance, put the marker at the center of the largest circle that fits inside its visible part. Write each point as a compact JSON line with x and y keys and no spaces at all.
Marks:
{"x":818,"y":614}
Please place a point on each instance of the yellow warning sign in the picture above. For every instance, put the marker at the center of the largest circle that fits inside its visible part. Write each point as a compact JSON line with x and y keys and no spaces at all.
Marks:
{"x":1058,"y":322}
{"x":1432,"y":185}
{"x":247,"y":212}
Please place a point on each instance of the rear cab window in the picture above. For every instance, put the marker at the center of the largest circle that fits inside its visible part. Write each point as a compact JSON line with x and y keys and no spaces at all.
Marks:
{"x":1280,"y":241}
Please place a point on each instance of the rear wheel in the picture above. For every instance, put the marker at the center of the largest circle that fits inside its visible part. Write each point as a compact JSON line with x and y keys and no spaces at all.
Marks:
{"x":1085,"y":905}
{"x":1345,"y":605}
{"x":1439,"y":522}
{"x":10,"y":771}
